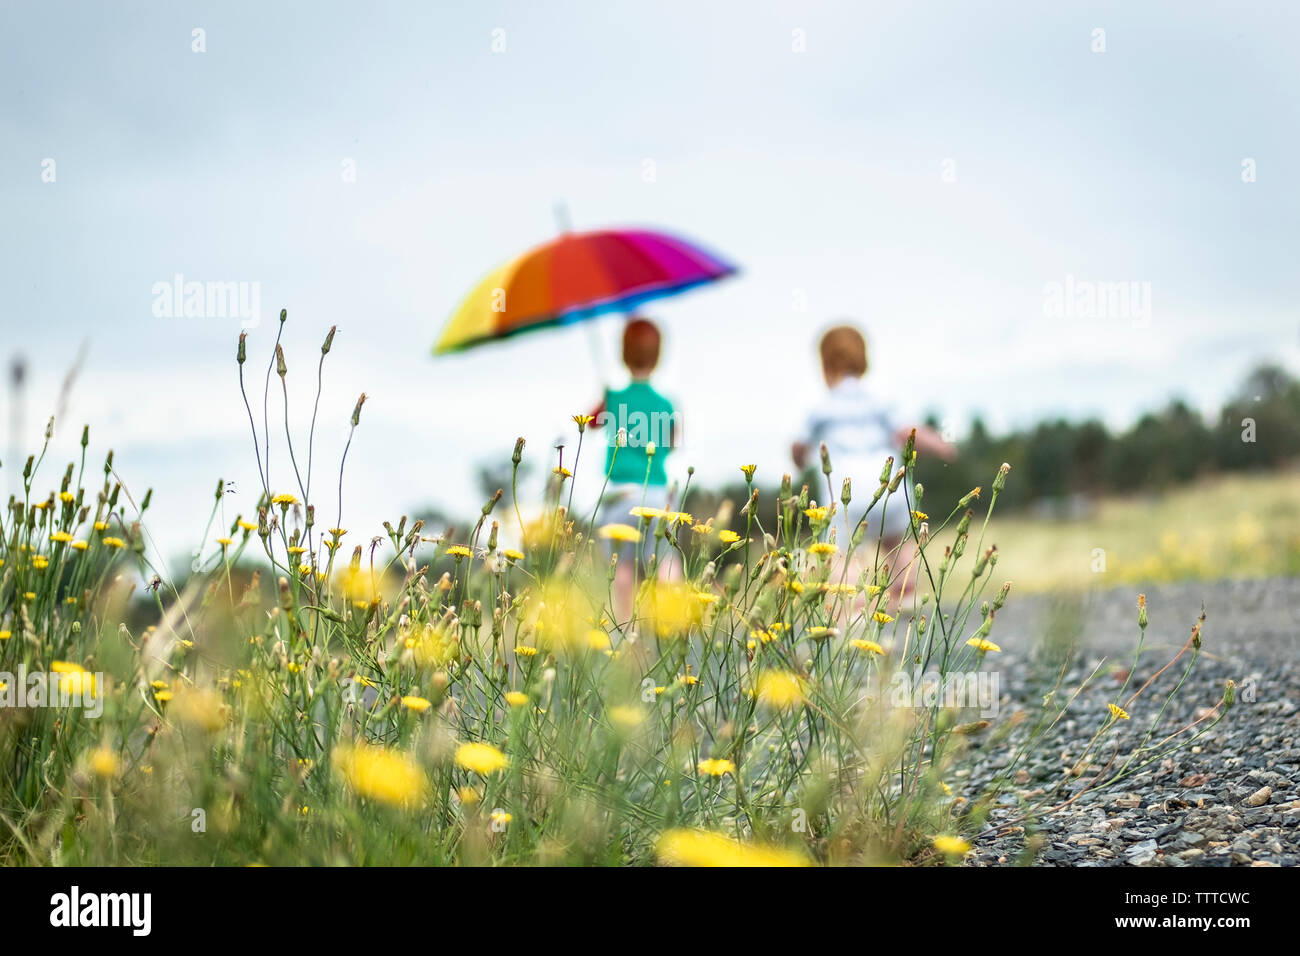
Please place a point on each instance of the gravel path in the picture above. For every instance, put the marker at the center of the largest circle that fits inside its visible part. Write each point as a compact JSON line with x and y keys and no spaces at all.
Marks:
{"x":1232,"y":799}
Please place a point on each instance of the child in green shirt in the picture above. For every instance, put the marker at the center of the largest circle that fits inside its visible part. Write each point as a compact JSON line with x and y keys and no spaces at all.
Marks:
{"x":636,"y":470}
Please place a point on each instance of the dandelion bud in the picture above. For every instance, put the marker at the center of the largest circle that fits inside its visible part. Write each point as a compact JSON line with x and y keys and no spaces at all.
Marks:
{"x":1001,"y":599}
{"x":898,"y":480}
{"x":966,"y":498}
{"x":959,"y":546}
{"x":917,"y":492}
{"x":785,"y":486}
{"x":751,"y":504}
{"x":1229,"y":694}
{"x":329,"y":340}
{"x":148,"y":497}
{"x":1000,"y":481}
{"x":491,"y":503}
{"x":887,"y":470}
{"x":85,"y":435}
{"x":112,"y":498}
{"x":1142,"y":611}
{"x":49,"y":429}
{"x":650,"y":449}
{"x":492,"y":537}
{"x":284,"y":315}
{"x":263,"y":529}
{"x":221,"y":488}
{"x":281,"y":368}
{"x":826,"y":460}
{"x":108,"y":464}
{"x":963,"y":526}
{"x":356,"y":412}
{"x":518,"y":456}
{"x":241,"y":353}
{"x":31,"y":460}
{"x":846,"y":492}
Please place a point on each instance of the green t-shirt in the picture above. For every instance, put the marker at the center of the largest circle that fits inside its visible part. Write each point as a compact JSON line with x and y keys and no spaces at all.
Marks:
{"x":648,"y":417}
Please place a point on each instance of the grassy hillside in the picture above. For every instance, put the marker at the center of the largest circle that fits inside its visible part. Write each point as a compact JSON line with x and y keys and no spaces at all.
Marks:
{"x":1235,"y":526}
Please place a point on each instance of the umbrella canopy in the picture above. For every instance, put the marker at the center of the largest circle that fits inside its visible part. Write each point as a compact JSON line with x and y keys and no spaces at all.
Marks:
{"x":578,"y":276}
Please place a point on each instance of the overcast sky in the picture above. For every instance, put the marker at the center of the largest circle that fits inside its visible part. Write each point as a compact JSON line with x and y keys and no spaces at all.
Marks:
{"x":928,"y":169}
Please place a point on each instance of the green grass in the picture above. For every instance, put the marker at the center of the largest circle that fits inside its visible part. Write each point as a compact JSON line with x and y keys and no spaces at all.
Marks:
{"x":1224,"y":527}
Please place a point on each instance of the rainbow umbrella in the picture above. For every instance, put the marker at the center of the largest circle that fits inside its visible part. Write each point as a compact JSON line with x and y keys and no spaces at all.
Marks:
{"x":575,"y":277}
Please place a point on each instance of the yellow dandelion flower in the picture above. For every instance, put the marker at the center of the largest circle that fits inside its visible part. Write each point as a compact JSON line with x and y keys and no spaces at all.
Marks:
{"x":626,"y":716}
{"x":417,"y":704}
{"x":880,"y":617}
{"x":114,"y":543}
{"x":748,"y":471}
{"x":819,"y":633}
{"x":647,"y":513}
{"x":715,"y":767}
{"x":523,"y":650}
{"x":247,"y":525}
{"x":226,"y":542}
{"x":620,"y":532}
{"x":513,"y":555}
{"x":104,"y":763}
{"x":728,"y":537}
{"x":5,"y":635}
{"x":459,"y":551}
{"x":1119,"y":713}
{"x":683,"y":847}
{"x":951,"y":845}
{"x":673,"y":607}
{"x":822,"y":547}
{"x":868,"y":647}
{"x":67,"y":497}
{"x":983,"y":645}
{"x":101,"y":525}
{"x":80,"y":545}
{"x":376,"y":773}
{"x":199,"y":708}
{"x":499,"y":818}
{"x":284,"y":501}
{"x":561,"y":472}
{"x":481,"y":758}
{"x":516,"y":698}
{"x":779,"y":689}
{"x":920,"y":516}
{"x":817,"y":514}
{"x":582,"y":421}
{"x":292,"y":549}
{"x":40,"y":562}
{"x":61,"y":537}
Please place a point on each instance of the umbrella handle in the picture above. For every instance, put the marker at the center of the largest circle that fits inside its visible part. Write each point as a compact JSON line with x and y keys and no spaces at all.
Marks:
{"x":597,"y":353}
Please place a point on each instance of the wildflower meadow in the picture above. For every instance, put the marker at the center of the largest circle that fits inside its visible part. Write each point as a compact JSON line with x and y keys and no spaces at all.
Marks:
{"x":316,"y":693}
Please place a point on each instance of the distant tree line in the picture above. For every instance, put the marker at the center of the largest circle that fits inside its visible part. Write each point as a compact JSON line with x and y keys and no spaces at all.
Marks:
{"x":1257,"y":428}
{"x":1058,"y":461}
